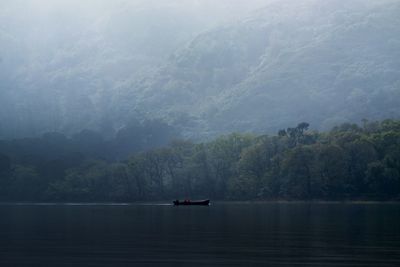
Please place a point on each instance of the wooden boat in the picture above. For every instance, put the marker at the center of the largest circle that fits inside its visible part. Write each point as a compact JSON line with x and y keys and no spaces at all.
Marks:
{"x":193,"y":203}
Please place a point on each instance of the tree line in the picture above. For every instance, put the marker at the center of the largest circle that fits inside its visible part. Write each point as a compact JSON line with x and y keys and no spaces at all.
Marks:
{"x":348,"y":162}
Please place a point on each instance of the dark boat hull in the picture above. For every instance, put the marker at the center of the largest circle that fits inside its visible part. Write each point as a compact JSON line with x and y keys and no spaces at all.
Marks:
{"x":192,"y":203}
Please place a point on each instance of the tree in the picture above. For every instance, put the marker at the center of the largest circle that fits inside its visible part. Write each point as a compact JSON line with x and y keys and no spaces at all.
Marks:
{"x":5,"y":164}
{"x":25,"y":184}
{"x":358,"y":155}
{"x":298,"y":172}
{"x":297,"y":134}
{"x":282,"y":133}
{"x":5,"y":172}
{"x":330,"y":165}
{"x":383,"y":182}
{"x":225,"y":152}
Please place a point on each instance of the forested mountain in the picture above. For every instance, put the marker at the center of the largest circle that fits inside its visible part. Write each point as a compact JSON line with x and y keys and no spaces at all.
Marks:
{"x":321,"y":61}
{"x":97,"y":96}
{"x":62,"y":62}
{"x":204,"y":67}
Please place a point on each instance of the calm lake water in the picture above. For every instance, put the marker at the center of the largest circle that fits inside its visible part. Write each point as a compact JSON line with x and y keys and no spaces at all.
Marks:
{"x":235,"y":234}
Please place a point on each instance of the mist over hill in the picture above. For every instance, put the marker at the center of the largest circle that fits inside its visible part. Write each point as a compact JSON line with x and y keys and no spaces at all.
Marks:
{"x":204,"y":67}
{"x":325,"y":62}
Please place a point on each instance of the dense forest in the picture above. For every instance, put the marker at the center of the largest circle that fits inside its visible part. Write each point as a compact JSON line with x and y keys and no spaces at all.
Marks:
{"x":348,"y":162}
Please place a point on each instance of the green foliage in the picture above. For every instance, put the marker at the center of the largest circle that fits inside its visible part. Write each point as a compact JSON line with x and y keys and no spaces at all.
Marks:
{"x":349,"y":162}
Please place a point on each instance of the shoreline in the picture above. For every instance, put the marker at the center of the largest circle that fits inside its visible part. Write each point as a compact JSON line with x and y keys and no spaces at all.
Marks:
{"x":224,"y":202}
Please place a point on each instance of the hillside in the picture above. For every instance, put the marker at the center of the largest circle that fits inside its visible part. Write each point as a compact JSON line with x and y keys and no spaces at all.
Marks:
{"x":62,"y":62}
{"x":205,"y":69}
{"x":323,"y":62}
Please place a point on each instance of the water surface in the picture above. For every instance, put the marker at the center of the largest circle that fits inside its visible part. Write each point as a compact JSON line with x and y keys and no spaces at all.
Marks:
{"x":235,"y":234}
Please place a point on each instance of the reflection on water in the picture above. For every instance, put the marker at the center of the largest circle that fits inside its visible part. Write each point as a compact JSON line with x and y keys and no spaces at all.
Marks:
{"x":267,"y":234}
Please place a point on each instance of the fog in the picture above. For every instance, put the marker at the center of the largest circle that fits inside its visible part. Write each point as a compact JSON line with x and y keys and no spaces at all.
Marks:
{"x":203,"y":67}
{"x":53,"y":52}
{"x":231,"y":100}
{"x":115,"y":112}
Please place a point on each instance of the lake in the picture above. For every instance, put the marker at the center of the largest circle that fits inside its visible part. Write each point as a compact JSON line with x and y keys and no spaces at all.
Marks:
{"x":226,"y":234}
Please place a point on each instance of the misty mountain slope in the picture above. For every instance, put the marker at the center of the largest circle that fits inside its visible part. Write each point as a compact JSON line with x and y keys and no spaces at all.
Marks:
{"x":196,"y":74}
{"x":60,"y":67}
{"x":206,"y":67}
{"x":62,"y":62}
{"x":324,"y":62}
{"x":331,"y":74}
